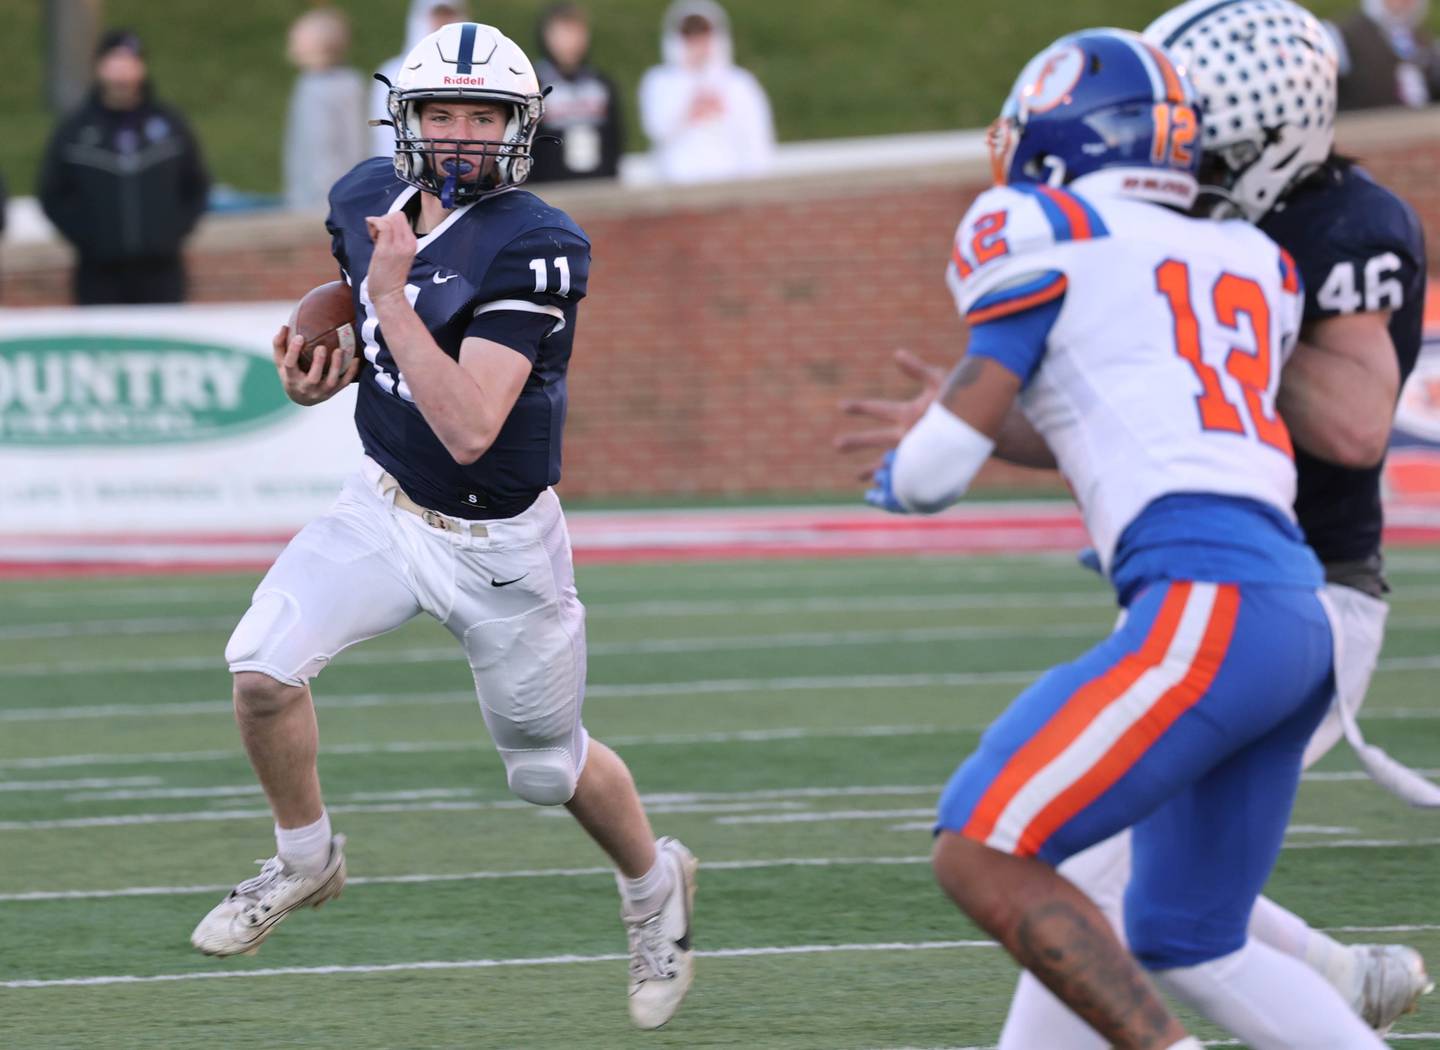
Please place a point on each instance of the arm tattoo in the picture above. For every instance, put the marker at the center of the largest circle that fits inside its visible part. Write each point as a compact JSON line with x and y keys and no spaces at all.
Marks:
{"x":964,"y":374}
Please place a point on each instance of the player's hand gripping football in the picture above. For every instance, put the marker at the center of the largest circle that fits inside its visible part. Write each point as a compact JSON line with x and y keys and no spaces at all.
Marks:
{"x":895,"y":417}
{"x":325,"y":376}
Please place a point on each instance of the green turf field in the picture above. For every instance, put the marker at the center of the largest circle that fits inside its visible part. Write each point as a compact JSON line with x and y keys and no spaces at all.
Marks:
{"x":791,"y":721}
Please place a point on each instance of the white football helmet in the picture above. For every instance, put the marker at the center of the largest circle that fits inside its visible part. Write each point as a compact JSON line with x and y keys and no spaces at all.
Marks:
{"x":1265,"y":71}
{"x":470,"y":62}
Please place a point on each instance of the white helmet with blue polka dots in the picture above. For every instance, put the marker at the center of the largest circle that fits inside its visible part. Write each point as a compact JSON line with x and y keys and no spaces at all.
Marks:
{"x":1265,"y":73}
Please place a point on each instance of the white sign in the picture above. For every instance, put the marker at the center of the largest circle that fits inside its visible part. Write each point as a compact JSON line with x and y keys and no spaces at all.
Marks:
{"x":160,"y":420}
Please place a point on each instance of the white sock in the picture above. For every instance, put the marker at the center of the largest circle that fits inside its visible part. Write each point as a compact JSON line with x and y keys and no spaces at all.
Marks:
{"x":1270,"y":1001}
{"x":1286,"y":932}
{"x":643,"y":896}
{"x":305,"y":849}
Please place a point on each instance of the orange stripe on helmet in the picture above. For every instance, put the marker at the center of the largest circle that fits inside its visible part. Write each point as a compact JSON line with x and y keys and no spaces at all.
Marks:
{"x":1174,"y":89}
{"x":1080,"y":229}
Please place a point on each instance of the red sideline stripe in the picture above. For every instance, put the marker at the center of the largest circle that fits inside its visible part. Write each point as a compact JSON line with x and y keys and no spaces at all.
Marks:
{"x":1045,"y":295}
{"x":1173,"y":90}
{"x":1138,"y":739}
{"x":1079,"y":222}
{"x":1077,"y":713}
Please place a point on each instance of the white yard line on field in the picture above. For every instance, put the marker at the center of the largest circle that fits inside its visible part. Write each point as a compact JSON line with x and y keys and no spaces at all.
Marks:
{"x":472,"y":876}
{"x":23,"y":632}
{"x":651,"y":647}
{"x":77,"y":785}
{"x":487,"y":964}
{"x":654,"y":800}
{"x":829,"y":816}
{"x":703,"y":687}
{"x":665,"y":609}
{"x":740,"y":736}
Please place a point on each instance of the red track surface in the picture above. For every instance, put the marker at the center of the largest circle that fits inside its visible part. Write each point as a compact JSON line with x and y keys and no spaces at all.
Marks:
{"x":651,"y":536}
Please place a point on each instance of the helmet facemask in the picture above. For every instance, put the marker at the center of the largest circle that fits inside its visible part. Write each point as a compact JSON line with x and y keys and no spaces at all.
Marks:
{"x":436,"y":165}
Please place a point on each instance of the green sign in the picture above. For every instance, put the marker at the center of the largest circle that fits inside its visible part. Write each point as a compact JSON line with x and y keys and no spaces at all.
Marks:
{"x":128,"y":390}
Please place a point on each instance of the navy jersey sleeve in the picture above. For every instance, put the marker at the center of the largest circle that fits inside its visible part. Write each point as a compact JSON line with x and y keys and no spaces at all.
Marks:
{"x":337,"y":246}
{"x":530,"y":290}
{"x":1359,"y":248}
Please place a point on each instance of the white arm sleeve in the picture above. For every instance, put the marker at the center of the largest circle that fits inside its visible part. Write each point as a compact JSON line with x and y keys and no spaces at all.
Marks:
{"x":937,"y":460}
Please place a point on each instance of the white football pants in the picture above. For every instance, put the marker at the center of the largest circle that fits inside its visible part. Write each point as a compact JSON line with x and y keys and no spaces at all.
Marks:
{"x":367,"y":566}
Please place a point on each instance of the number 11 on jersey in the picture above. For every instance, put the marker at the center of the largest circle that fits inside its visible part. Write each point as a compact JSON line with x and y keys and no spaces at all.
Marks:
{"x":542,"y":275}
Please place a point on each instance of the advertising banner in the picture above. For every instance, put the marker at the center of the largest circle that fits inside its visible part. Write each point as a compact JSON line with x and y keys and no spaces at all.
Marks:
{"x":159,"y":420}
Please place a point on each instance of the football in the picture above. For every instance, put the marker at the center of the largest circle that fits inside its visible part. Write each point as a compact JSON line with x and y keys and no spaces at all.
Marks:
{"x":325,"y":316}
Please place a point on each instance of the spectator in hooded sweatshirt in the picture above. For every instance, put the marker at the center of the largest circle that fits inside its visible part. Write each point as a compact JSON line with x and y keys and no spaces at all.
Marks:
{"x":123,"y":181}
{"x":1386,"y":56}
{"x":325,"y":131}
{"x":707,"y":118}
{"x":425,"y":17}
{"x":581,"y":135}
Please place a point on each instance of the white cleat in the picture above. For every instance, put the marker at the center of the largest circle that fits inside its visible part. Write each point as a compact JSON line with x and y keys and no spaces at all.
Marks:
{"x":662,"y":962}
{"x":1392,"y":980}
{"x":242,"y":921}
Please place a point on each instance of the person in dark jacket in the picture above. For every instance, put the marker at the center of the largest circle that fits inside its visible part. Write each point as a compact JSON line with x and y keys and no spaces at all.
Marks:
{"x":582,"y":110}
{"x":1386,"y":56}
{"x":124,"y":182}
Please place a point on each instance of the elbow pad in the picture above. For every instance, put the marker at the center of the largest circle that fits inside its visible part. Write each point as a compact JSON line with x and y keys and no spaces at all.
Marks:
{"x":937,"y":460}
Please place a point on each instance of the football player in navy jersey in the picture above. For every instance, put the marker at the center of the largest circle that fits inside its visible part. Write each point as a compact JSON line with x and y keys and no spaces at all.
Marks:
{"x":466,"y":289}
{"x":1265,"y":72}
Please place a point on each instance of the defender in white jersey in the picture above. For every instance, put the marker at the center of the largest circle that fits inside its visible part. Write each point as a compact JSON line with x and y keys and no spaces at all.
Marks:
{"x":1144,"y":348}
{"x":1107,"y":402}
{"x":1267,"y":155}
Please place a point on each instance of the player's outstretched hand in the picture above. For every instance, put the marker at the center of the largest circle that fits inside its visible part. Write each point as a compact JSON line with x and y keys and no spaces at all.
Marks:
{"x":321,"y":381}
{"x":895,"y":417}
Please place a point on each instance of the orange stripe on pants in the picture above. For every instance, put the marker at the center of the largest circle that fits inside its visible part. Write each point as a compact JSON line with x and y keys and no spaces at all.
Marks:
{"x":1076,"y":714}
{"x":1138,"y":739}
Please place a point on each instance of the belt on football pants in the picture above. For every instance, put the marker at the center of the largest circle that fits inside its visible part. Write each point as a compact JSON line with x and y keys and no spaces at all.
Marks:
{"x":390,"y":487}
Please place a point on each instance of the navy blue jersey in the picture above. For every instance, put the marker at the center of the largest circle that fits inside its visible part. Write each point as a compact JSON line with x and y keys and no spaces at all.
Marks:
{"x":508,"y":268}
{"x":1359,"y":248}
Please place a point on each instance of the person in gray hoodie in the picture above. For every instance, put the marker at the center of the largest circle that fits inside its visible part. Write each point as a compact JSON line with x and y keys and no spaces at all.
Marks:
{"x":325,"y":132}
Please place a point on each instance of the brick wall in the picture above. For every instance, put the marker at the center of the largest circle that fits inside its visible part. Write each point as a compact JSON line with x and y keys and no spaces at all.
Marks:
{"x":724,"y":323}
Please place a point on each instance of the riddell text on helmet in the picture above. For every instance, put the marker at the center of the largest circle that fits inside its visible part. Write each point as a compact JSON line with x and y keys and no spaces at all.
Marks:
{"x":465,"y":81}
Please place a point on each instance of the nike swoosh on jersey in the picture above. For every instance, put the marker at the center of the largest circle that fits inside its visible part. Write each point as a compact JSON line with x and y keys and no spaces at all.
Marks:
{"x":443,"y":280}
{"x":507,"y":583}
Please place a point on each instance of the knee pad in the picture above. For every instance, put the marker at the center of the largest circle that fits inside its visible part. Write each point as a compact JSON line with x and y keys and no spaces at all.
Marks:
{"x":545,"y":776}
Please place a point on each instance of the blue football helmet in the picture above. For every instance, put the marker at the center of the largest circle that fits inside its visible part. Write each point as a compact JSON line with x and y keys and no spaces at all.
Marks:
{"x":1096,"y":100}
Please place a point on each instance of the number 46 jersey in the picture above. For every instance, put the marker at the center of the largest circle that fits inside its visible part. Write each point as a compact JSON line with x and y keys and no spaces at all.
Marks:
{"x":1360,"y":249}
{"x":1149,"y":345}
